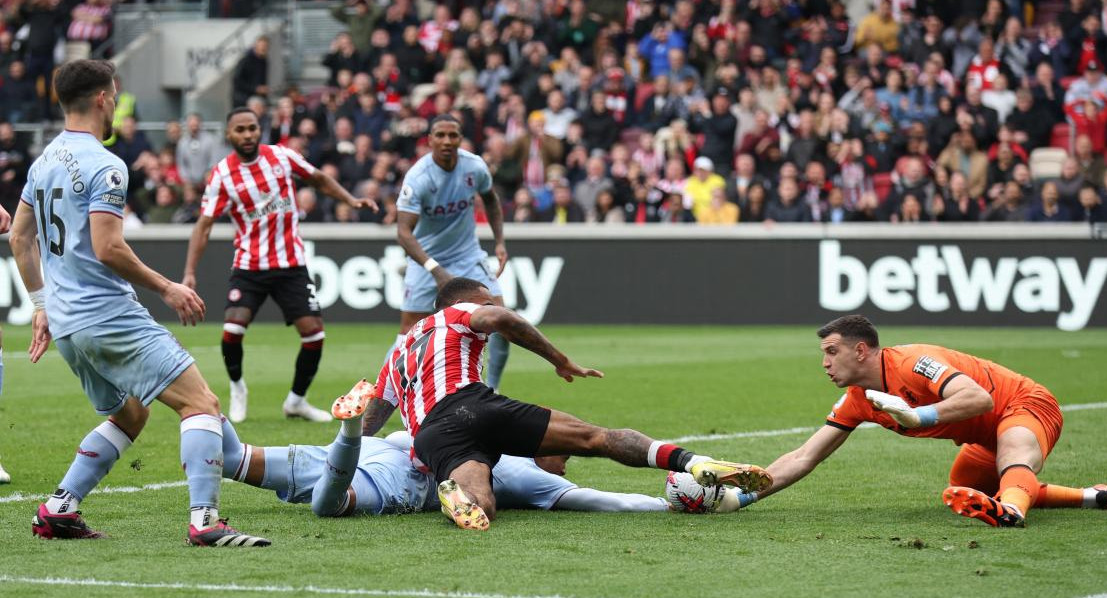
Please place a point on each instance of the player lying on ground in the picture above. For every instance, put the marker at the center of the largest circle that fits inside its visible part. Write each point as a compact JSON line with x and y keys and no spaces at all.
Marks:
{"x":372,"y":476}
{"x":1005,"y":423}
{"x":461,"y":427}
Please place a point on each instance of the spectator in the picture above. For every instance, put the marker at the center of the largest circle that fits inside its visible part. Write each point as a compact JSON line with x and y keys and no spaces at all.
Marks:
{"x":600,"y":128}
{"x":719,"y":210}
{"x":999,"y":98}
{"x":786,"y":208}
{"x":536,"y":152}
{"x":43,"y":19}
{"x":89,"y":28}
{"x":522,"y":208}
{"x":165,"y":205}
{"x":655,"y":47}
{"x":1031,"y":124}
{"x":251,"y":75}
{"x":607,"y":210}
{"x":1091,"y":206}
{"x":1069,"y":184}
{"x":701,"y":186}
{"x":1091,"y":122}
{"x":197,"y":151}
{"x":879,"y":28}
{"x":558,"y":115}
{"x":1048,"y":207}
{"x":673,"y":210}
{"x":957,"y":205}
{"x":910,"y":211}
{"x":1089,"y":161}
{"x":355,"y":168}
{"x":1002,"y":169}
{"x":361,"y":23}
{"x":343,"y":56}
{"x":131,"y":143}
{"x":1008,"y":207}
{"x":718,"y":126}
{"x":14,"y":162}
{"x":962,"y":155}
{"x":565,"y":209}
{"x":18,"y":96}
{"x":753,"y":209}
{"x":1048,"y":93}
{"x":596,"y":181}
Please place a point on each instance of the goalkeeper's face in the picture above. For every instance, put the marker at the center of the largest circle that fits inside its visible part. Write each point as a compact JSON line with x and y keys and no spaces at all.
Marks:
{"x":841,"y":360}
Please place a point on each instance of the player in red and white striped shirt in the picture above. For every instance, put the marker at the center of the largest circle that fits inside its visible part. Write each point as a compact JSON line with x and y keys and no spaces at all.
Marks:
{"x":462,"y":427}
{"x":255,"y":186}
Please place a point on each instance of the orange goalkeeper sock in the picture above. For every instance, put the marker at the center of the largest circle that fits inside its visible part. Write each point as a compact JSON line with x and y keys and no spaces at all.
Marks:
{"x":1051,"y":496}
{"x":1019,"y":486}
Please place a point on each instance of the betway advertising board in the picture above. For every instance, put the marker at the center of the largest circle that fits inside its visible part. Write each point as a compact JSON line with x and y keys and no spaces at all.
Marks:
{"x":692,"y":279}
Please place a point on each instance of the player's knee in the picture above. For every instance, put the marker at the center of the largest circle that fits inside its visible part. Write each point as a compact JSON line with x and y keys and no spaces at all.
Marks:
{"x":233,"y":331}
{"x":202,"y":402}
{"x":313,"y":339}
{"x":325,"y":508}
{"x":131,"y":418}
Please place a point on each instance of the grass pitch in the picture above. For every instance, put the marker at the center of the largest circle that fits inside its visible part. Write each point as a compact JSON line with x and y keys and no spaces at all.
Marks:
{"x":869,"y":521}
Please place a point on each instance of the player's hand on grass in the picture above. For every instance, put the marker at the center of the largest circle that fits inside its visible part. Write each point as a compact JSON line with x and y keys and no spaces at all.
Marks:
{"x":188,"y":305}
{"x":40,"y":336}
{"x":570,"y":370}
{"x":904,"y":414}
{"x":501,"y":254}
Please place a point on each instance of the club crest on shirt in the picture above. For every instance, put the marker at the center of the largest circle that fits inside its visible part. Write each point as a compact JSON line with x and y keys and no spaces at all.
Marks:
{"x":469,"y":181}
{"x":115,"y":179}
{"x":927,"y":367}
{"x":278,"y":171}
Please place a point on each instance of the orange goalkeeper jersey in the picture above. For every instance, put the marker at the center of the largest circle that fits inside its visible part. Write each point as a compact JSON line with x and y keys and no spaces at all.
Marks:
{"x":919,"y":373}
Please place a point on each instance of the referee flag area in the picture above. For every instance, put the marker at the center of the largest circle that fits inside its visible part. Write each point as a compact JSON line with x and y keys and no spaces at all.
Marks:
{"x":869,"y":521}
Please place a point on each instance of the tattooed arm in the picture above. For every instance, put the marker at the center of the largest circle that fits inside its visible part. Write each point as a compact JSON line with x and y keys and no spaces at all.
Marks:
{"x":376,"y":415}
{"x":517,"y":330}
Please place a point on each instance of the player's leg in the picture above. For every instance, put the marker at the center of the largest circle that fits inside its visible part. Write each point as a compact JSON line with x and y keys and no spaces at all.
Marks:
{"x":243,"y":300}
{"x":294,"y":292}
{"x":466,"y":495}
{"x":567,"y":434}
{"x":202,"y":459}
{"x":59,"y":517}
{"x":522,"y":483}
{"x":975,"y":467}
{"x":1022,"y":444}
{"x":419,"y":295}
{"x":333,"y":495}
{"x":4,"y":477}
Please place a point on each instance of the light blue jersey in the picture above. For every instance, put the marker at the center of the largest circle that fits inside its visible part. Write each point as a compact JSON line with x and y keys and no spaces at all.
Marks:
{"x":386,"y":482}
{"x":74,"y":177}
{"x":444,"y":203}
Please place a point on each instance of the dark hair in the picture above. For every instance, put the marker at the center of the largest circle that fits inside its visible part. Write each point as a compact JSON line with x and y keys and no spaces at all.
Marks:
{"x":443,"y":118}
{"x":239,"y":110}
{"x":454,"y":290}
{"x":78,"y":80}
{"x":853,"y":327}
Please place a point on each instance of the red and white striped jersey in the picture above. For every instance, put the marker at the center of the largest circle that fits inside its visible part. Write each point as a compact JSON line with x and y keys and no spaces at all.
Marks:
{"x":262,"y":203}
{"x":438,"y":356}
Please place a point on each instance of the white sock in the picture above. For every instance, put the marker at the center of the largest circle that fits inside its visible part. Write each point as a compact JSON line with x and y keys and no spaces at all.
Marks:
{"x":351,"y":428}
{"x":1089,"y":498}
{"x":695,"y":460}
{"x":293,"y":399}
{"x":63,"y":502}
{"x":204,"y":517}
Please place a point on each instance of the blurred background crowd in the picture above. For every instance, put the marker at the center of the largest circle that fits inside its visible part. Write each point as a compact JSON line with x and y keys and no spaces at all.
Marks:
{"x":642,"y":111}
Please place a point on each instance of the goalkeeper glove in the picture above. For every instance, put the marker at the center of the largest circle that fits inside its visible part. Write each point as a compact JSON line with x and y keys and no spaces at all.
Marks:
{"x":904,"y":414}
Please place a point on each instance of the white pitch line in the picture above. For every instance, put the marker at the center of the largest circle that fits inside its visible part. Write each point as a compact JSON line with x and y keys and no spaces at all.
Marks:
{"x":233,"y":587}
{"x":20,"y":497}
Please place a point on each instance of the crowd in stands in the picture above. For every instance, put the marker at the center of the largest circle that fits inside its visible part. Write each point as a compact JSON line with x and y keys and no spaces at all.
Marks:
{"x":689,"y":111}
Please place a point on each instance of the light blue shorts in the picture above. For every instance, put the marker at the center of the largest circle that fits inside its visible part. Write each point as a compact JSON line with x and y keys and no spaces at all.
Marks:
{"x":420,"y":289}
{"x":519,"y":483}
{"x":128,"y":356}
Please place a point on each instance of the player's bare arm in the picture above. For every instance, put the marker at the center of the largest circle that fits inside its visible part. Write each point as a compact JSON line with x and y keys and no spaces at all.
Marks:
{"x":25,"y":250}
{"x":376,"y":415}
{"x":405,"y":235}
{"x":113,"y":251}
{"x":962,"y":398}
{"x":197,"y":243}
{"x":326,"y":183}
{"x":520,"y":332}
{"x":494,"y":211}
{"x":794,"y":466}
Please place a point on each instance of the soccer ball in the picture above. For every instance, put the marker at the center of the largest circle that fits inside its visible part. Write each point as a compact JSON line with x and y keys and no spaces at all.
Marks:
{"x":686,"y":495}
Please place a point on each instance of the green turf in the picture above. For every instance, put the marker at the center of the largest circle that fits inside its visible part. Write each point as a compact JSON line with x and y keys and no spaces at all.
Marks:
{"x":869,"y":521}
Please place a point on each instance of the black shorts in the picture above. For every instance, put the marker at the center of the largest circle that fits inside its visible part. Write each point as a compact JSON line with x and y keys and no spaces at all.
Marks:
{"x":476,"y":424}
{"x":291,"y":288}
